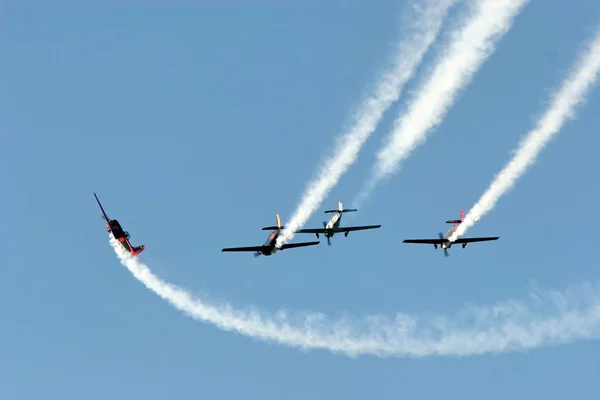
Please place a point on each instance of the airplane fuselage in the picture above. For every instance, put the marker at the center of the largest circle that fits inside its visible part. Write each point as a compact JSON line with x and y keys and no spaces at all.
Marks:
{"x":117,"y":231}
{"x":333,"y":223}
{"x":446,"y":244}
{"x":271,"y":244}
{"x":121,"y":236}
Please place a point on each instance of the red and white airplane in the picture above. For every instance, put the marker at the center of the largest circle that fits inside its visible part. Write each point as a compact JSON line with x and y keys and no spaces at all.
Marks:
{"x":115,"y":229}
{"x":443,"y":241}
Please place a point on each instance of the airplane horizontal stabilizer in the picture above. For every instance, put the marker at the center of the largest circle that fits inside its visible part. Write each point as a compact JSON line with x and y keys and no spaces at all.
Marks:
{"x":137,"y":250}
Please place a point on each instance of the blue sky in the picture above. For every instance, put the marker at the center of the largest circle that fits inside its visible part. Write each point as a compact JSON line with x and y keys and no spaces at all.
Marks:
{"x":196,"y":124}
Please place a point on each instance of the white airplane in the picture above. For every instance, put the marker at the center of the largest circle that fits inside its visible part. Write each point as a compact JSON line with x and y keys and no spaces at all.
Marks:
{"x":333,"y":226}
{"x":443,"y":241}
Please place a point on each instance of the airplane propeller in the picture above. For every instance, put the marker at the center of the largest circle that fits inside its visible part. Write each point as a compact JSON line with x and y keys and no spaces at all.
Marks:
{"x":327,"y":236}
{"x":441,"y":235}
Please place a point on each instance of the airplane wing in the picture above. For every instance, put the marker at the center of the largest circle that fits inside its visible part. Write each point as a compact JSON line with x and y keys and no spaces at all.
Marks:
{"x":292,"y":245}
{"x":356,"y":228}
{"x":310,"y":230}
{"x":424,"y":241}
{"x":103,"y":213}
{"x":338,"y":230}
{"x":248,"y":248}
{"x":459,"y":241}
{"x":479,"y":239}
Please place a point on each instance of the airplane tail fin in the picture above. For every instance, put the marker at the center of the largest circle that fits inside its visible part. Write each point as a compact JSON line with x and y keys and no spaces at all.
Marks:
{"x":138,"y":249}
{"x":341,"y":209}
{"x":274,"y":227}
{"x":457,"y":221}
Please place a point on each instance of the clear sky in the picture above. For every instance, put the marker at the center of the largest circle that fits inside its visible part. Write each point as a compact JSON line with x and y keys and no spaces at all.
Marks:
{"x":195,"y":123}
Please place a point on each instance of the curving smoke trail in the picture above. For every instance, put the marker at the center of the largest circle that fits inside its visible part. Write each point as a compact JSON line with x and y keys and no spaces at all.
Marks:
{"x":472,"y":44}
{"x":506,"y":326}
{"x":426,"y":28}
{"x":572,"y":93}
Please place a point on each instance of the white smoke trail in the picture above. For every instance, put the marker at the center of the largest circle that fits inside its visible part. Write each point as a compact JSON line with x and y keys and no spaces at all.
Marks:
{"x":410,"y":53}
{"x":571,"y":94}
{"x":506,"y":326}
{"x":471,"y":46}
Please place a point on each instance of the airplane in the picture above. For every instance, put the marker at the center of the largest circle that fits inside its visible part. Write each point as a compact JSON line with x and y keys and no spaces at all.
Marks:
{"x":113,"y":226}
{"x":333,"y":226}
{"x":443,"y":241}
{"x":269,"y":248}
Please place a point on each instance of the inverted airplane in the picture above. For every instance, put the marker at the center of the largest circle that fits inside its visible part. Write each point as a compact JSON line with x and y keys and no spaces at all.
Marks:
{"x":443,"y":241}
{"x":333,"y":226}
{"x":113,"y":226}
{"x":270,"y":248}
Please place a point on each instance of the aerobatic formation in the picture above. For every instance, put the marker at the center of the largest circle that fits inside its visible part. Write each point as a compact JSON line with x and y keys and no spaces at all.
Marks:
{"x":329,"y":229}
{"x":472,"y":40}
